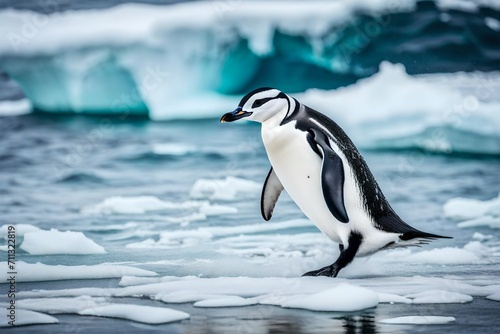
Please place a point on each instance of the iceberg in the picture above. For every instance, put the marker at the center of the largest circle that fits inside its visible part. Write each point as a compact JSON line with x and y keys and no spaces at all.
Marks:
{"x":188,"y":60}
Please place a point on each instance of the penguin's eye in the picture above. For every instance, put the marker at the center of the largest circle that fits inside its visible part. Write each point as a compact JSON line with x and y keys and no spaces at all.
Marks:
{"x":260,"y":102}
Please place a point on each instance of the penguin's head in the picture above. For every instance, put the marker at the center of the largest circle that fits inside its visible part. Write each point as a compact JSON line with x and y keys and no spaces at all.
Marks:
{"x":259,"y":105}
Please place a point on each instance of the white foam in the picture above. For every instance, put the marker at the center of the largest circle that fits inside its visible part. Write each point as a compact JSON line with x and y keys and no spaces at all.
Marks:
{"x":419,"y":320}
{"x":59,"y":242}
{"x":227,"y":189}
{"x":34,"y":272}
{"x":343,"y":297}
{"x":138,"y":313}
{"x":15,"y":108}
{"x":230,"y":301}
{"x":215,"y":210}
{"x":25,"y":317}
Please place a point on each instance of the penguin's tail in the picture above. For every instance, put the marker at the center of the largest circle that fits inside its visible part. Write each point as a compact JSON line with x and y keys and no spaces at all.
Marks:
{"x":418,"y":238}
{"x":421,"y":237}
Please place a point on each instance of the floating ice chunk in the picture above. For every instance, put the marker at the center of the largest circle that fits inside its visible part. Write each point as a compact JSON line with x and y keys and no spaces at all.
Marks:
{"x":187,"y":238}
{"x":25,"y":317}
{"x":136,"y":205}
{"x":19,"y":229}
{"x":214,"y":210}
{"x":57,"y":242}
{"x":227,"y":189}
{"x":465,"y":209}
{"x":138,"y":313}
{"x":132,"y":280}
{"x":34,"y":272}
{"x":445,"y":255}
{"x":60,"y":305}
{"x":173,"y":149}
{"x":494,"y":296}
{"x":418,"y":320}
{"x":439,"y":297}
{"x":230,"y":301}
{"x":493,"y":222}
{"x":391,"y":298}
{"x":186,"y":296}
{"x":344,"y":297}
{"x":481,"y":237}
{"x":15,"y":108}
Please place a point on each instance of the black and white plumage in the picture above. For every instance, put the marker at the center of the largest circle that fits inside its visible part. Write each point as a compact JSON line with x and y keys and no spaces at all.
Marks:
{"x":314,"y":160}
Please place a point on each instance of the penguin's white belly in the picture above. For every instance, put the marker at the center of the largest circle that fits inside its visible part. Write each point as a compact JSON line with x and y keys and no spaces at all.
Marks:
{"x":299,"y":169}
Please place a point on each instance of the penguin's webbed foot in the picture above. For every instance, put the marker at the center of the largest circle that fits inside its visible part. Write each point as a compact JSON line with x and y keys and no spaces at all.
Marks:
{"x":329,"y":271}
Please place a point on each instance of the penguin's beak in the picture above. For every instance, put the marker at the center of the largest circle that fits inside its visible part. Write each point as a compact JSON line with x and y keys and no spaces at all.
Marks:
{"x":234,"y":115}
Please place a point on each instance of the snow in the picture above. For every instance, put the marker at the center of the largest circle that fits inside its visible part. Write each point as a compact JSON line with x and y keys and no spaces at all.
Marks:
{"x":34,"y":272}
{"x":138,"y":313}
{"x":25,"y":317}
{"x":343,"y":297}
{"x":15,"y":108}
{"x":419,"y":320}
{"x":59,"y":242}
{"x":231,"y":301}
{"x":228,"y":189}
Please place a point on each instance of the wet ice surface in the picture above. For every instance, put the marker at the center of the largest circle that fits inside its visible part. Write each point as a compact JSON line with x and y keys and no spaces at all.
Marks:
{"x":182,"y":231}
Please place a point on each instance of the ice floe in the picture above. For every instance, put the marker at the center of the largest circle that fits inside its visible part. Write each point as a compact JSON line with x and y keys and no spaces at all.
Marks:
{"x":33,"y":272}
{"x":138,"y":313}
{"x":185,"y":238}
{"x":136,"y":205}
{"x":438,"y":297}
{"x":472,"y":212}
{"x":25,"y":317}
{"x":59,"y":242}
{"x":60,"y":305}
{"x":419,"y":320}
{"x":227,"y":189}
{"x":229,"y":301}
{"x":19,"y":229}
{"x":344,"y":297}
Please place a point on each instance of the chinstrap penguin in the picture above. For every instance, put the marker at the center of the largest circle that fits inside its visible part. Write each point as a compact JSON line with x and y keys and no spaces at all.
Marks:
{"x":314,"y":160}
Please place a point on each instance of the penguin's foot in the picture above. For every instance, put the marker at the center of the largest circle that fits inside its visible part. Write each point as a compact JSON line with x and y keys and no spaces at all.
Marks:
{"x":329,"y":271}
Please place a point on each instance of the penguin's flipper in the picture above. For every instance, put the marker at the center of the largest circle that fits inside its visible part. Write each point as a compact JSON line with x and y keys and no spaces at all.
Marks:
{"x":332,"y":175}
{"x":270,"y":193}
